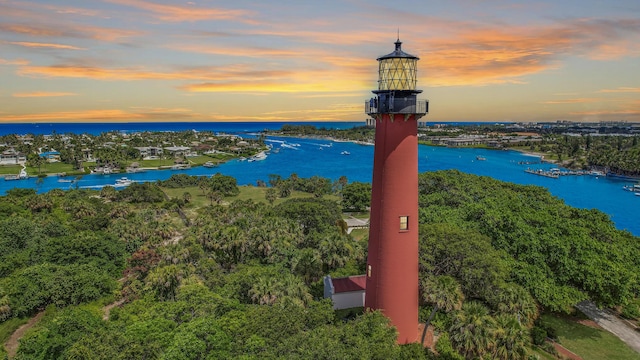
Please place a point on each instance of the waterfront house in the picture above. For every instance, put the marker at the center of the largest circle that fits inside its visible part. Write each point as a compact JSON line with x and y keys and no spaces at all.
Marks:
{"x":149,"y":152}
{"x":12,"y":157}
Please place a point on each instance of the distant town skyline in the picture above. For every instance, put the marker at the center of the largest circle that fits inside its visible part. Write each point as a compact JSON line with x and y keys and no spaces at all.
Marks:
{"x":139,"y":60}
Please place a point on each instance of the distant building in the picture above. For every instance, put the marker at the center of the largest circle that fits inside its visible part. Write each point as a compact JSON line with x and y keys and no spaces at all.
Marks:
{"x":12,"y":157}
{"x":149,"y":152}
{"x":51,"y":156}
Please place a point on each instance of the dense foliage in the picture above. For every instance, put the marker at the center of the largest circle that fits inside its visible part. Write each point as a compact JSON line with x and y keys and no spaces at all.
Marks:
{"x":486,"y":233}
{"x":242,"y":279}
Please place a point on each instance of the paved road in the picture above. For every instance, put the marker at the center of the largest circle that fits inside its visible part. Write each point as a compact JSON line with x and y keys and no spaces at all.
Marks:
{"x":612,"y":324}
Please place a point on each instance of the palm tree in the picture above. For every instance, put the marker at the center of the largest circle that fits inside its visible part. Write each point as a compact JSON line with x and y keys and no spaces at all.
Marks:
{"x":109,"y":192}
{"x":511,"y":339}
{"x":264,"y":291}
{"x":444,"y":293}
{"x":472,"y":330}
{"x":515,"y":300}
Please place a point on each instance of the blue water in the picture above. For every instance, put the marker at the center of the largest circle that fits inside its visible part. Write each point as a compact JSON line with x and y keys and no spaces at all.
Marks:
{"x":308,"y":157}
{"x":98,"y":128}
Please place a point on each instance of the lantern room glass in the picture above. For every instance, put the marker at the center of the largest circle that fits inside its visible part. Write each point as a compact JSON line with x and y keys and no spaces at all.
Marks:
{"x":397,"y":73}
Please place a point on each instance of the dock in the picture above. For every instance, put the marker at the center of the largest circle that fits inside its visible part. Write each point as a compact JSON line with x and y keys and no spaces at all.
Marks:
{"x":545,"y":173}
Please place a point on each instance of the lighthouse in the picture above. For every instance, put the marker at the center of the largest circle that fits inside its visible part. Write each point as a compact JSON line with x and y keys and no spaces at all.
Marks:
{"x":392,"y":262}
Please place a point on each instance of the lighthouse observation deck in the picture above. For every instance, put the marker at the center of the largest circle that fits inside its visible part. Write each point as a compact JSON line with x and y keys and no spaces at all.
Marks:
{"x":396,"y":105}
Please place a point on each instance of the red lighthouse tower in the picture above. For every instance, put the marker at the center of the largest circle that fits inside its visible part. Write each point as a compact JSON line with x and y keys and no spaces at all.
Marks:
{"x":392,"y":263}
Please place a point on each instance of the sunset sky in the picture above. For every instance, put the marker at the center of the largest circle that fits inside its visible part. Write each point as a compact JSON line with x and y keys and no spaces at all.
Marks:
{"x":484,"y":60}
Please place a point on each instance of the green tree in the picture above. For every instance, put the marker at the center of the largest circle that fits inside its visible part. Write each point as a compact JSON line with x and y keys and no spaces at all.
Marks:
{"x":510,"y":339}
{"x":356,"y":196}
{"x":472,"y":331}
{"x":444,"y":293}
{"x":515,"y":300}
{"x":271,"y":195}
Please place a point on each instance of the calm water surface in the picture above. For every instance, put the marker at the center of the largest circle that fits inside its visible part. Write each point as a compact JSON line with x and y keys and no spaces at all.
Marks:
{"x":308,"y":157}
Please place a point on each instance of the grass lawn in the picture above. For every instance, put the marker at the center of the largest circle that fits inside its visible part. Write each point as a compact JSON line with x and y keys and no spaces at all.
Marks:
{"x":543,"y":355}
{"x":360,"y":215}
{"x":254,"y":193}
{"x":10,"y":169}
{"x":51,"y":168}
{"x":589,"y":343}
{"x":360,"y":234}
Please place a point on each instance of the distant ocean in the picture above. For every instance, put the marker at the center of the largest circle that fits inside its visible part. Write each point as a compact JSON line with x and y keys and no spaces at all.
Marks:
{"x":308,"y":157}
{"x":95,"y":128}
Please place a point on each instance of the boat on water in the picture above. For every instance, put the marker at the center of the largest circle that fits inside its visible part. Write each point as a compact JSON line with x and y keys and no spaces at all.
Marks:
{"x":21,"y":176}
{"x":633,"y":188}
{"x":345,"y":153}
{"x":123,"y":181}
{"x":481,"y":158}
{"x":209,"y":164}
{"x":181,"y":167}
{"x":258,"y":157}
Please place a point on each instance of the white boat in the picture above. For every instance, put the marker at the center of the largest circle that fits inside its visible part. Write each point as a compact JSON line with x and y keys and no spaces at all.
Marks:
{"x":209,"y":164}
{"x":258,"y":157}
{"x":345,"y":153}
{"x":633,"y":188}
{"x":123,"y":181}
{"x":481,"y":158}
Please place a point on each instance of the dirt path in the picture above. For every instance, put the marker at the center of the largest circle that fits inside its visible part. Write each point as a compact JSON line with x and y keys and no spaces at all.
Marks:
{"x":612,"y":324}
{"x":107,"y":309}
{"x":14,"y":341}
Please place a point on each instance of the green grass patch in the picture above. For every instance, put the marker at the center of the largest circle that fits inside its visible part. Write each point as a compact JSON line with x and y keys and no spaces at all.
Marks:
{"x":10,"y":169}
{"x":198,"y":199}
{"x":257,"y":194}
{"x":359,"y":215}
{"x":543,"y":355}
{"x":587,"y":342}
{"x":50,"y":168}
{"x":360,"y":234}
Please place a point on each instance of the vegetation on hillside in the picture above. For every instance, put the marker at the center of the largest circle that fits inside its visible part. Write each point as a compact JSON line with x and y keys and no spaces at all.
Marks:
{"x":242,"y":279}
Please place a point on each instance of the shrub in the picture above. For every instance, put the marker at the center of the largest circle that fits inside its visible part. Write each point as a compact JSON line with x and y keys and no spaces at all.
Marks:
{"x":538,"y":335}
{"x":631,"y":310}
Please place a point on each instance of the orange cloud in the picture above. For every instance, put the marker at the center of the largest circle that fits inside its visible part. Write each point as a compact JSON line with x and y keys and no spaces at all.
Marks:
{"x":158,"y":114}
{"x":236,"y":72}
{"x":80,"y":32}
{"x":573,"y":101}
{"x":621,"y":90}
{"x":173,"y":13}
{"x":45,"y":45}
{"x":42,"y":94}
{"x":18,"y":62}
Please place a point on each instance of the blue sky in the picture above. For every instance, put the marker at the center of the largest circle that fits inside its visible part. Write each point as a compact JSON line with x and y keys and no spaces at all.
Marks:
{"x":139,"y":60}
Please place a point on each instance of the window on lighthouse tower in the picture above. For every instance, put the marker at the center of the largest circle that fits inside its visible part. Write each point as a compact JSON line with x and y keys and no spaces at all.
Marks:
{"x":404,"y":223}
